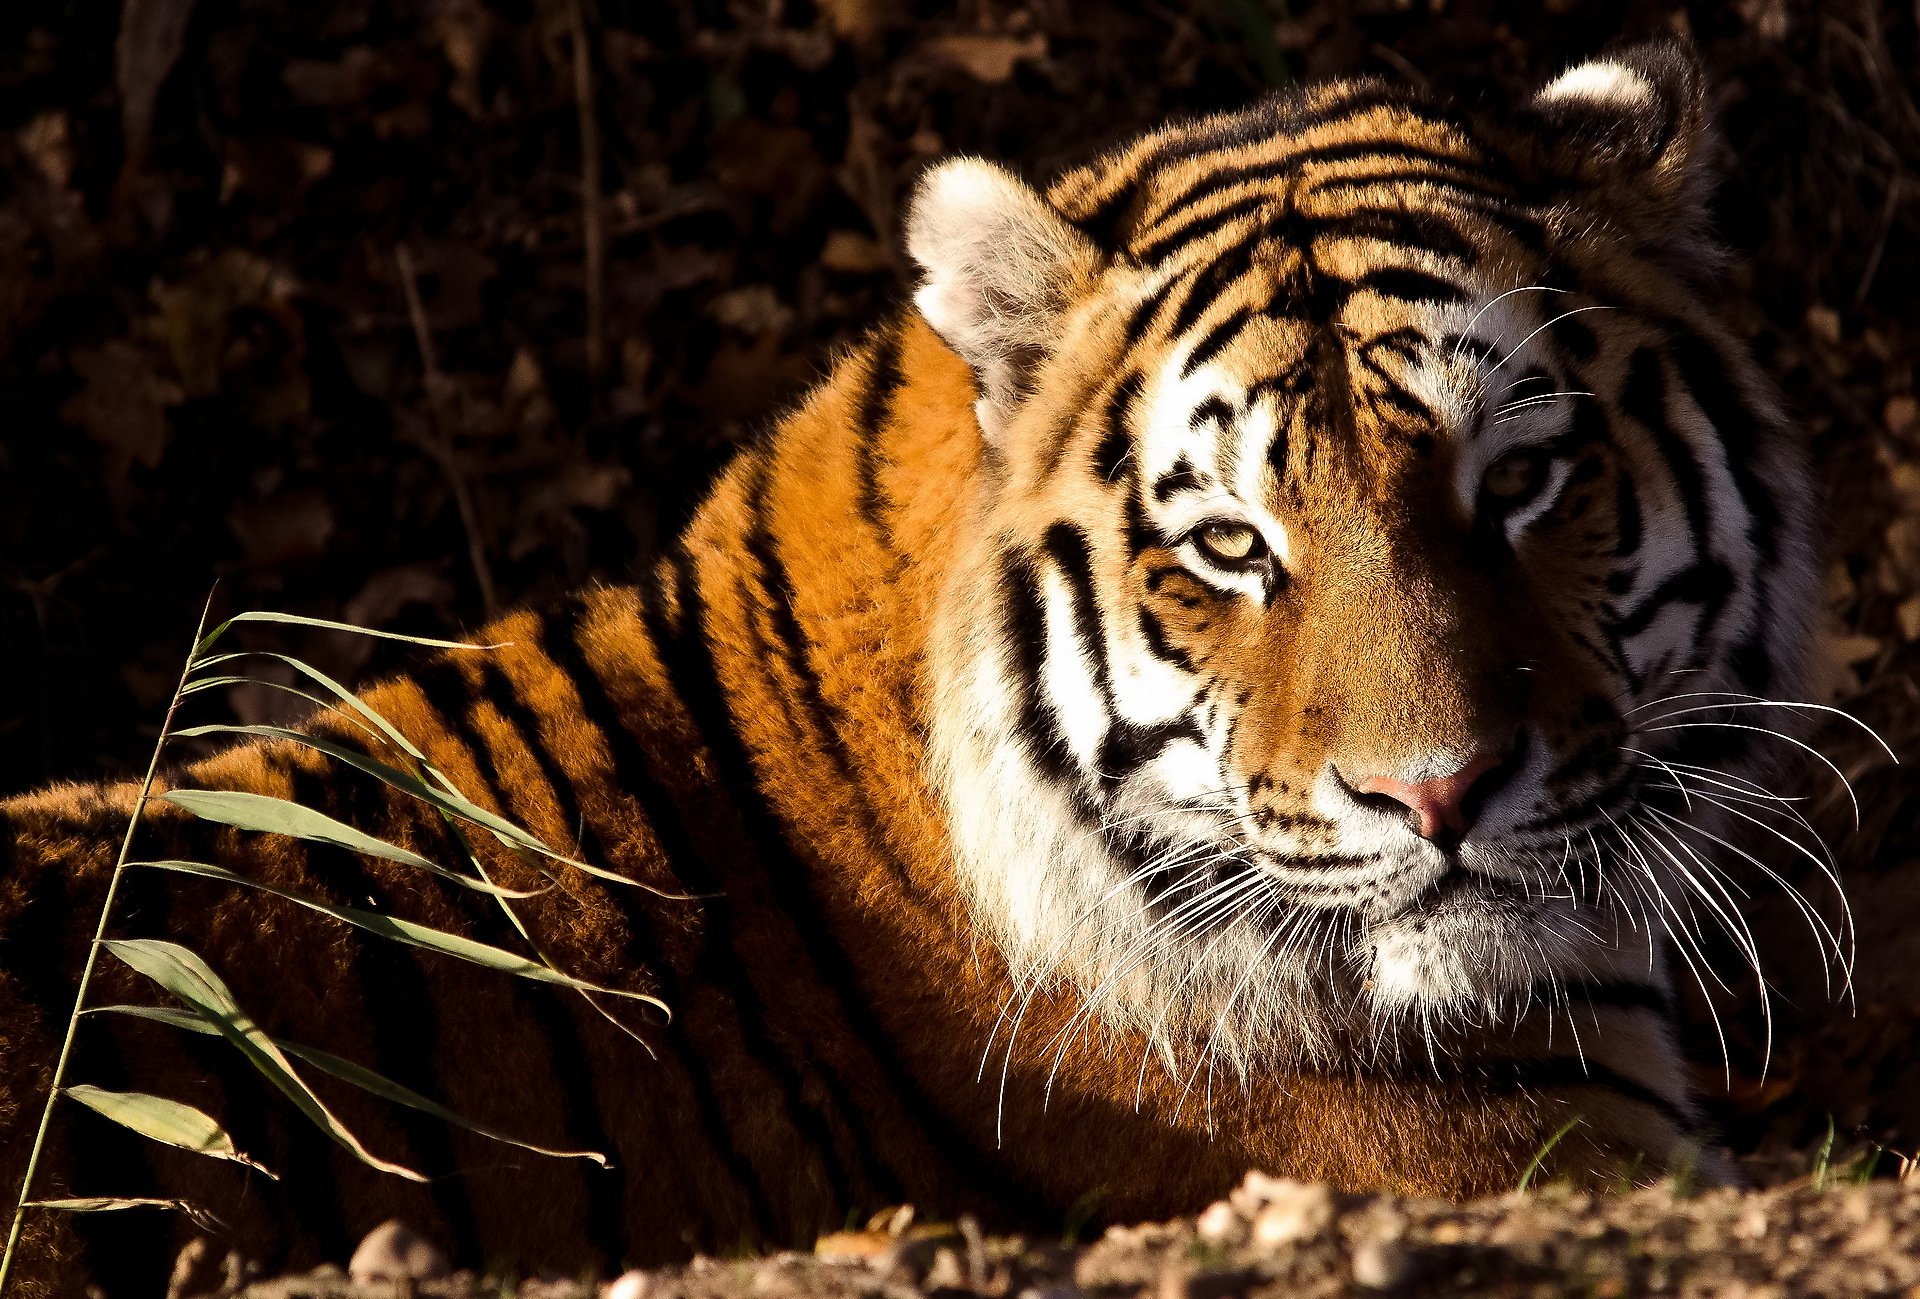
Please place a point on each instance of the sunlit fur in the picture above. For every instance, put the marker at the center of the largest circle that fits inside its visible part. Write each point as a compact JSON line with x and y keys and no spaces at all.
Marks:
{"x":1025,"y":858}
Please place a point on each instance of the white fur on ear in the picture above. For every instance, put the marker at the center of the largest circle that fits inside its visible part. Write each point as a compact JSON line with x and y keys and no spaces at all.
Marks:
{"x":1604,"y":82}
{"x":1001,"y":267}
{"x":1629,"y":135}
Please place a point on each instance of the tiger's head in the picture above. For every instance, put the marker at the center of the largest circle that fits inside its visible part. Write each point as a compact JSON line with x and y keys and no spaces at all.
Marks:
{"x":1367,"y":487}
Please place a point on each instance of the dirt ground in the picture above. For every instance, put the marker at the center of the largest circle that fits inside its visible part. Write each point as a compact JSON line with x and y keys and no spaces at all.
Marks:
{"x":1287,"y":1241}
{"x":404,"y":312}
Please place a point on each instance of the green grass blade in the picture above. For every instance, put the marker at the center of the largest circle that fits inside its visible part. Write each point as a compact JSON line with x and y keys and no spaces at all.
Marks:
{"x":57,"y":1081}
{"x":271,"y":815}
{"x":450,"y":803}
{"x":1823,"y":1158}
{"x":295,"y":620}
{"x":404,"y":781}
{"x":1539,"y":1159}
{"x":457,"y":804}
{"x":454,"y":823}
{"x":106,"y":1203}
{"x":406,"y":931}
{"x":169,"y":1122}
{"x":356,"y":1075}
{"x":205,"y":1220}
{"x":200,"y":684}
{"x":338,"y":691}
{"x":191,"y":980}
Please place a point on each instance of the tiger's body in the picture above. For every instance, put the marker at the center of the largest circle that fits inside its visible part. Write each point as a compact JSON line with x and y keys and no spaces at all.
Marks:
{"x":1029,"y":850}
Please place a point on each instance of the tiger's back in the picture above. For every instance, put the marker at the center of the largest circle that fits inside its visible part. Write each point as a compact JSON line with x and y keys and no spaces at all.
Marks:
{"x":859,"y":727}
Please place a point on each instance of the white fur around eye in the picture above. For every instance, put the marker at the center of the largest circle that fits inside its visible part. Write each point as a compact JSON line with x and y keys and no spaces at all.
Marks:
{"x":1603,"y":82}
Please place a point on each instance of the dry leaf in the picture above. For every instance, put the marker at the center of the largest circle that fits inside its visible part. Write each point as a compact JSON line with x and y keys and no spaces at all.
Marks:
{"x":743,"y":380}
{"x":276,"y":172}
{"x":1901,"y":415}
{"x":1903,"y":551}
{"x":152,"y":33}
{"x":988,"y":58}
{"x":230,"y":326}
{"x":524,"y":404}
{"x":282,"y":529}
{"x":380,"y":601}
{"x":1904,"y":479}
{"x":340,"y":83}
{"x":1824,"y":324}
{"x":1908,"y":616}
{"x":122,"y":403}
{"x":751,"y":309}
{"x":770,"y":161}
{"x":866,"y":171}
{"x":465,"y":29}
{"x":860,"y":20}
{"x":1841,"y":590}
{"x":852,"y":253}
{"x":48,"y":141}
{"x":1833,"y":678}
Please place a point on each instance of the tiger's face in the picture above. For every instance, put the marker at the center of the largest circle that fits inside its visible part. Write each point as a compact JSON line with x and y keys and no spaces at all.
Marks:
{"x":1361,"y":481}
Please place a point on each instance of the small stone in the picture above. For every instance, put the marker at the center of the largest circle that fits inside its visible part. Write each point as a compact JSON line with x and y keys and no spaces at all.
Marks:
{"x":628,"y":1285}
{"x":394,"y":1251}
{"x":1218,"y":1223}
{"x":1752,"y":1222}
{"x":197,"y":1270}
{"x":1381,"y":1264}
{"x":946,"y":1273}
{"x":1255,"y":1190}
{"x":915,"y":1249}
{"x":1294,"y":1212}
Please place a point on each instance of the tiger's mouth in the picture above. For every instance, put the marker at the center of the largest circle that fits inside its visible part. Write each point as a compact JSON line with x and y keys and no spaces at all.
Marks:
{"x":1474,"y":940}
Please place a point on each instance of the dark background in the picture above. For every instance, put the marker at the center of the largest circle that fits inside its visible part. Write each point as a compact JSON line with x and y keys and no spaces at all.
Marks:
{"x":213,"y":216}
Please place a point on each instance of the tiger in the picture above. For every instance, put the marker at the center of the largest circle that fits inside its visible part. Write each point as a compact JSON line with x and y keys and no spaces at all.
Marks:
{"x":1188,"y":692}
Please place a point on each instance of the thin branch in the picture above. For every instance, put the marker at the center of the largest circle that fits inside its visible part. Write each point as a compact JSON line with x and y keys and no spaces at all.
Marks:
{"x":593,"y":223}
{"x":441,"y":444}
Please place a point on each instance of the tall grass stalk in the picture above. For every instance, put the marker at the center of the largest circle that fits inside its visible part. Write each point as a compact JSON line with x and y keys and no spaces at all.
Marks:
{"x":93,"y":958}
{"x":207,"y":1006}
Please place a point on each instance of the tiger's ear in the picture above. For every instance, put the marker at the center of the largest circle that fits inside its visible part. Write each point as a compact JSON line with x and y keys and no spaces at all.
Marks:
{"x":1630,"y":133}
{"x":1000,"y":269}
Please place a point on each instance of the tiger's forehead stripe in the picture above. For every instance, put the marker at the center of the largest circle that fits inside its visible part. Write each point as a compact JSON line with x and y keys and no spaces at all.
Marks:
{"x":1189,"y":183}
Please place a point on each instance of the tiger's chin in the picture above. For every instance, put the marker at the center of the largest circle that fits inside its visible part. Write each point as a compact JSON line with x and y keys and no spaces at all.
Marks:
{"x":1474,"y":946}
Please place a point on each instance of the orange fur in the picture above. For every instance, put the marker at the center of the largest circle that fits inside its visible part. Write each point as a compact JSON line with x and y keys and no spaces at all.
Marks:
{"x":749,"y":726}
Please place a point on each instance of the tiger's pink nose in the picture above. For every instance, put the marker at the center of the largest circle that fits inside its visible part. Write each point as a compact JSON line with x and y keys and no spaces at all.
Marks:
{"x":1442,"y":808}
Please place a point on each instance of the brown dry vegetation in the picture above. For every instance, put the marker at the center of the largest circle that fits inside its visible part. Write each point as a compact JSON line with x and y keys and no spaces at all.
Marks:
{"x":401,"y":311}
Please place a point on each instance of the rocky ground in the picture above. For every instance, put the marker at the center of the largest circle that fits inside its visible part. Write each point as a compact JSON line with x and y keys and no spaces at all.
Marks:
{"x":1822,"y":1237}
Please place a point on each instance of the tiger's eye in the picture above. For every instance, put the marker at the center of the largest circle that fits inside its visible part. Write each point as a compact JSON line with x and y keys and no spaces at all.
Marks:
{"x":1230,"y":543}
{"x":1516,"y":477}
